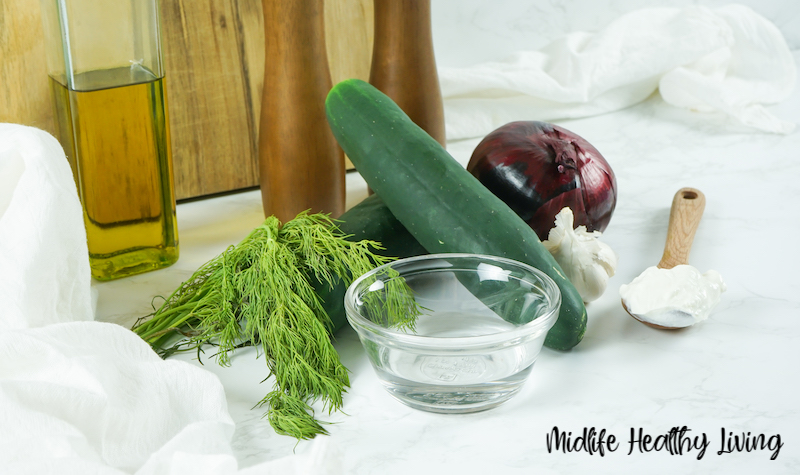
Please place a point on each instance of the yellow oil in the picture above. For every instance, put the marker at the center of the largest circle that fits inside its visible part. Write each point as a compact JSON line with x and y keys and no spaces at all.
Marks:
{"x":114,"y":128}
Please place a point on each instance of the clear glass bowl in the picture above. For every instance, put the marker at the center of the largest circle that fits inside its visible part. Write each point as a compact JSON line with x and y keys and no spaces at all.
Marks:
{"x":482,"y":324}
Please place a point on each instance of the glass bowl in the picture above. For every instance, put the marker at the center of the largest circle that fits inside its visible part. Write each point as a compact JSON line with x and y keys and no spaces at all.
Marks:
{"x":481,"y":324}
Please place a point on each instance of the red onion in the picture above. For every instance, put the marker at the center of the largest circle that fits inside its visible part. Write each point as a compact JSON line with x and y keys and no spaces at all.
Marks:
{"x":538,"y":168}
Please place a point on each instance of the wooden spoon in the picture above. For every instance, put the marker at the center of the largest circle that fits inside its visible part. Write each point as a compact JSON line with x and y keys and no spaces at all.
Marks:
{"x":684,"y":218}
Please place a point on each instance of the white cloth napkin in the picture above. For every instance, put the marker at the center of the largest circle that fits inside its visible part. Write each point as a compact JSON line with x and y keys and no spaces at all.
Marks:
{"x":728,"y":59}
{"x":40,"y":243}
{"x":79,"y":396}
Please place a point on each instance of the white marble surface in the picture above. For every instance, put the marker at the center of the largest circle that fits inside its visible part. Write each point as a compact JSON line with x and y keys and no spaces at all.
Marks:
{"x":737,"y":370}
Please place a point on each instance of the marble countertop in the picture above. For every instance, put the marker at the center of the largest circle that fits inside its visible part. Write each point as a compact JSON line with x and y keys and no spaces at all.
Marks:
{"x":733,"y":372}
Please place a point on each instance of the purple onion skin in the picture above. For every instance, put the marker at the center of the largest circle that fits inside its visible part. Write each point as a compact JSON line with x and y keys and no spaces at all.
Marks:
{"x":538,"y":168}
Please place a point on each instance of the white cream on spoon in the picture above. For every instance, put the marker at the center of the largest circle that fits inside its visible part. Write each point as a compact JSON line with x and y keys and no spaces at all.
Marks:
{"x":673,"y":298}
{"x":674,"y":294}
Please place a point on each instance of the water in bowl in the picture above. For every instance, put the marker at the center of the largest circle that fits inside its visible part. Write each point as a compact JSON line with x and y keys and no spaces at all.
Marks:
{"x":467,"y":381}
{"x":438,"y":367}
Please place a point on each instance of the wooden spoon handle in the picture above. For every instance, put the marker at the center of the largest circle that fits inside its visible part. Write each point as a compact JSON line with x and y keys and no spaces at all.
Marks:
{"x":684,"y":217}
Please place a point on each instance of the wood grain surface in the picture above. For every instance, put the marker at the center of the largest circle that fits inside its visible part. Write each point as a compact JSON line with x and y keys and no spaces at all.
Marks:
{"x":214,"y":60}
{"x":349,"y":31}
{"x":24,"y":90}
{"x":214,"y":64}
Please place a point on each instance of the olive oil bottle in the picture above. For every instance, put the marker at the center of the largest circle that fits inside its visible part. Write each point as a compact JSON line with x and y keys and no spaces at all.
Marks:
{"x":114,"y":129}
{"x":107,"y":81}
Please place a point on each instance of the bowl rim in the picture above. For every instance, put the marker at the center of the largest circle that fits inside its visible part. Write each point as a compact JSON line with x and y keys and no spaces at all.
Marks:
{"x":542,"y":323}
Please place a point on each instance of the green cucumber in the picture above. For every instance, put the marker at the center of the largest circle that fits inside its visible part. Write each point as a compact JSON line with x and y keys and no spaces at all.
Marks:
{"x":437,"y":200}
{"x":370,"y":219}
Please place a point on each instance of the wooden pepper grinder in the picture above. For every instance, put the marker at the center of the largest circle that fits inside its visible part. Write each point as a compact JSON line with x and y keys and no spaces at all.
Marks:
{"x":403,"y":63}
{"x":301,"y":165}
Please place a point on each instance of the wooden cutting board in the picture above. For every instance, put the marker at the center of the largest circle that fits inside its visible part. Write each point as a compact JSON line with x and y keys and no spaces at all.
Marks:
{"x":214,"y":62}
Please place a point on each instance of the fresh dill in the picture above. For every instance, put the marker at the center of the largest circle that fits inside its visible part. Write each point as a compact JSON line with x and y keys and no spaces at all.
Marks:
{"x":260,"y":292}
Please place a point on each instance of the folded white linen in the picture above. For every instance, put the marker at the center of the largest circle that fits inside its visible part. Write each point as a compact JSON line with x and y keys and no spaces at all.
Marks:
{"x":93,"y":395}
{"x":729,"y":59}
{"x":44,"y":270}
{"x":80,"y":396}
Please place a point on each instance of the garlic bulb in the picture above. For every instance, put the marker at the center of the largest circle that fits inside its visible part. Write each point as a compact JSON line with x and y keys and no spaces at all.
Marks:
{"x":587,"y":262}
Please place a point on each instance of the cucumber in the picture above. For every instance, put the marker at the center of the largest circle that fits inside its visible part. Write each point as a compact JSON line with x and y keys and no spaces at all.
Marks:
{"x":438,"y":201}
{"x":369,"y":219}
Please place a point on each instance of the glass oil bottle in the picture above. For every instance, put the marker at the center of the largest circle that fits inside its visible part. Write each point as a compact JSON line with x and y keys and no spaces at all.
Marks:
{"x":107,"y":82}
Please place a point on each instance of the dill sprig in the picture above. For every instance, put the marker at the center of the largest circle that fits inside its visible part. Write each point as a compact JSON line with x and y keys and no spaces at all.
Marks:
{"x":259,"y":292}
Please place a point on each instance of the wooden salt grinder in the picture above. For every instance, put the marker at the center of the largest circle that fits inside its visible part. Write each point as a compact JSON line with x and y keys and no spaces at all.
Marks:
{"x":403,"y":63}
{"x":301,"y":165}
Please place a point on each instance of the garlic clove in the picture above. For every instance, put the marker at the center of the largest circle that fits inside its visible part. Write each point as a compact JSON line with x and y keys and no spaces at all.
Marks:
{"x":587,"y":262}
